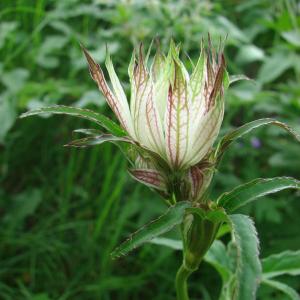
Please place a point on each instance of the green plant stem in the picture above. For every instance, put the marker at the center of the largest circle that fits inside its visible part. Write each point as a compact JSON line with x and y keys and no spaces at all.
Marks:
{"x":181,"y":283}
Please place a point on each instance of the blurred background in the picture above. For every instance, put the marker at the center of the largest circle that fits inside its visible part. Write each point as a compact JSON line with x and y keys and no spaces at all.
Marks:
{"x":63,"y":210}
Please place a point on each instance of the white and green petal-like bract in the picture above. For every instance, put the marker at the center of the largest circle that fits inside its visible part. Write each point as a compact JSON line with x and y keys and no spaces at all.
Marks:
{"x":172,"y":113}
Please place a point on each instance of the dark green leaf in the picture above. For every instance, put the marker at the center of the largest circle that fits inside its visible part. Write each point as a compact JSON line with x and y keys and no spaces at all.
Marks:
{"x":103,"y":121}
{"x":239,"y":132}
{"x":163,"y":224}
{"x":287,"y":262}
{"x":255,"y":189}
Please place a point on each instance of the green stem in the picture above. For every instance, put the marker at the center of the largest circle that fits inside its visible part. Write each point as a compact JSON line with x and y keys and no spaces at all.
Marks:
{"x":181,"y":283}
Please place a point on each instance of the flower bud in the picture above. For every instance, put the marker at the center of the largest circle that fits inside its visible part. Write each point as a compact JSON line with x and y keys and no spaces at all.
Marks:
{"x":172,"y":116}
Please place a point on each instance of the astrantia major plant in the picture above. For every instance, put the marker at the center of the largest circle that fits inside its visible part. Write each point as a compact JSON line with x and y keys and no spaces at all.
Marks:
{"x":167,"y":132}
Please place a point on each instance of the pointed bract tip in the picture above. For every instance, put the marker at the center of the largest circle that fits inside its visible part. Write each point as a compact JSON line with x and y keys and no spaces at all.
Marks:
{"x":141,"y":48}
{"x":88,"y":57}
{"x":157,"y":42}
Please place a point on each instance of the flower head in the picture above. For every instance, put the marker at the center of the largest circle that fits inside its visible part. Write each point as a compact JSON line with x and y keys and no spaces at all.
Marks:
{"x":173,"y":117}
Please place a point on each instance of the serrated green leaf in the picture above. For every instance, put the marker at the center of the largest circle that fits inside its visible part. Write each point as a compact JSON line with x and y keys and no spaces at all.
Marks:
{"x":163,"y":224}
{"x":90,"y":115}
{"x":287,"y":262}
{"x":248,"y":192}
{"x":293,"y":295}
{"x":226,"y":141}
{"x":248,"y":267}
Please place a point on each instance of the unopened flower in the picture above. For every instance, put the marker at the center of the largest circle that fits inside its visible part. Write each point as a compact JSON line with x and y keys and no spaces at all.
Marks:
{"x":171,"y":114}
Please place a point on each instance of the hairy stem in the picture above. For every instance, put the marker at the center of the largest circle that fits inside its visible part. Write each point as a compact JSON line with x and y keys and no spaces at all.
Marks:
{"x":181,"y":282}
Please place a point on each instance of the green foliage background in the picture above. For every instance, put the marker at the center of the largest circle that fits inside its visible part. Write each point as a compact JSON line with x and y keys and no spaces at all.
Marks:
{"x":62,"y":211}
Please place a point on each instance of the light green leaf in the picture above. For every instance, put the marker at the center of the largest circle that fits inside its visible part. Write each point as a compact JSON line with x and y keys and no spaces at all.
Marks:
{"x":7,"y":115}
{"x":255,"y":189}
{"x":247,"y":268}
{"x":283,"y":288}
{"x":226,"y":141}
{"x":101,"y":120}
{"x":287,"y":262}
{"x":292,"y":37}
{"x":249,"y":53}
{"x":45,"y":56}
{"x":163,"y":224}
{"x":6,"y":30}
{"x":15,"y":80}
{"x":274,"y":66}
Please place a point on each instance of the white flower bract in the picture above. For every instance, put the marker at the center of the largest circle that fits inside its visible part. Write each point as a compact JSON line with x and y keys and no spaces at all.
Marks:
{"x":172,"y":113}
